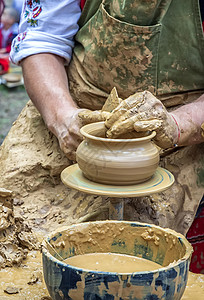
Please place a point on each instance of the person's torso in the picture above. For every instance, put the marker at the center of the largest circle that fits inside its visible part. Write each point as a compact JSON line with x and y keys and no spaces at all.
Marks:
{"x":141,"y":45}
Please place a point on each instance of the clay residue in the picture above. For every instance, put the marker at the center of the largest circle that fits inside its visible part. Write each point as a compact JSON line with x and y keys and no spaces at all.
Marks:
{"x":150,"y":235}
{"x":105,"y":237}
{"x":202,"y":127}
{"x":26,"y":279}
{"x":78,"y":292}
{"x":16,"y":237}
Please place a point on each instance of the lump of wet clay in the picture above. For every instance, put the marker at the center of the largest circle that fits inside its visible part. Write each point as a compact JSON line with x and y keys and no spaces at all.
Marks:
{"x":35,"y":277}
{"x":11,"y":254}
{"x":11,"y":290}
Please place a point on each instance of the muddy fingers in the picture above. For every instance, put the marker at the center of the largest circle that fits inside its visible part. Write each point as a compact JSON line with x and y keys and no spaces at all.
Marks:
{"x":124,"y":107}
{"x":148,"y":125}
{"x":87,"y":116}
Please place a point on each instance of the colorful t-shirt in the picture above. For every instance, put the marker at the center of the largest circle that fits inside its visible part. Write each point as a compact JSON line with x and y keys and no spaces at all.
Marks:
{"x":46,"y":26}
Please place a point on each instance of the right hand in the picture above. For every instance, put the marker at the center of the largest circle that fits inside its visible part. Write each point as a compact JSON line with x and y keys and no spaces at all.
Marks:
{"x":67,"y":128}
{"x":67,"y":131}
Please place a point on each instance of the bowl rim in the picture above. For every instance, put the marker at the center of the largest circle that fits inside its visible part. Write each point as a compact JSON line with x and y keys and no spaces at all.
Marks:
{"x":102,"y":125}
{"x":182,"y":239}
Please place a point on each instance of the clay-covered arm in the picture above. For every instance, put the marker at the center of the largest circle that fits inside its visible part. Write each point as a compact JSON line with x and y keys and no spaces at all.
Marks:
{"x":47,"y":86}
{"x":190,"y":117}
{"x":143,"y":111}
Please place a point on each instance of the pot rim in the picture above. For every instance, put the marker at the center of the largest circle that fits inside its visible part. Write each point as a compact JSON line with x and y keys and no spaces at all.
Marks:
{"x":182,"y":239}
{"x":101,"y":125}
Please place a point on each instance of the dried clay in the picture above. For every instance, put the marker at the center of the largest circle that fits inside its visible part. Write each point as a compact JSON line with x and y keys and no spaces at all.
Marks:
{"x":15,"y":236}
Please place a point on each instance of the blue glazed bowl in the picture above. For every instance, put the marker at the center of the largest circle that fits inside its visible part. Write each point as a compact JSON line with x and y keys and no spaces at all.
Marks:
{"x":164,"y":246}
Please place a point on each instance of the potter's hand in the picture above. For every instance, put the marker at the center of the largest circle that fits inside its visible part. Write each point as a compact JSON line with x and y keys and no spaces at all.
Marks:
{"x":67,"y":131}
{"x":87,"y":116}
{"x":143,"y":112}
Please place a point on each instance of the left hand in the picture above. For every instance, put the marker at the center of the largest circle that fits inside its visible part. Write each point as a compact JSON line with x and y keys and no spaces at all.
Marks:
{"x":143,"y":112}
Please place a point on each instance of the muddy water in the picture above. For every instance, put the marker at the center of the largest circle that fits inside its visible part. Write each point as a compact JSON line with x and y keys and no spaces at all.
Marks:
{"x":112,"y":262}
{"x":32,"y":267}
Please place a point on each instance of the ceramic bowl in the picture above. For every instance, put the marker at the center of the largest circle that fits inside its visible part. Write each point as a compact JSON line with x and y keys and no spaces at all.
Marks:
{"x":163,"y":246}
{"x":128,"y":160}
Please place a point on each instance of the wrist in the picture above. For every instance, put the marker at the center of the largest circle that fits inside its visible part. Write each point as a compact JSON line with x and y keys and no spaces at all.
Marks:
{"x":176,"y":139}
{"x":56,"y":118}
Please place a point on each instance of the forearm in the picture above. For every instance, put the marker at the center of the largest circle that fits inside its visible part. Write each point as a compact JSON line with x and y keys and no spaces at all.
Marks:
{"x":47,"y":86}
{"x":190,"y":118}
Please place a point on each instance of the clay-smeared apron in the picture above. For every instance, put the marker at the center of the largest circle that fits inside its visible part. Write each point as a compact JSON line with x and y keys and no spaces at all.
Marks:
{"x":154,"y":45}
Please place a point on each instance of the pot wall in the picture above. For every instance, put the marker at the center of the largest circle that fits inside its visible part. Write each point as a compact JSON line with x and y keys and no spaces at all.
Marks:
{"x":116,"y":162}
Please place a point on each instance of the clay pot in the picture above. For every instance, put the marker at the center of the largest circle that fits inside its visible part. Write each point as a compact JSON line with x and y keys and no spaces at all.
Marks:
{"x":128,"y":160}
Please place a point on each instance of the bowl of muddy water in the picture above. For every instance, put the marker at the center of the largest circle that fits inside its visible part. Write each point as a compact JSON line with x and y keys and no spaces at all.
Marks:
{"x":107,"y":260}
{"x":129,"y":159}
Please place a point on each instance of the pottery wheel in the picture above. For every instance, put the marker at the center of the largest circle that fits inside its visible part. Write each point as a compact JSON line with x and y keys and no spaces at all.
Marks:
{"x":73,"y":177}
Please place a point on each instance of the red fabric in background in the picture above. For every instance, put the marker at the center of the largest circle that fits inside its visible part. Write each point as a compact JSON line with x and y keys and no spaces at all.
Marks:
{"x":82,"y":3}
{"x":195,"y":236}
{"x":4,"y":65}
